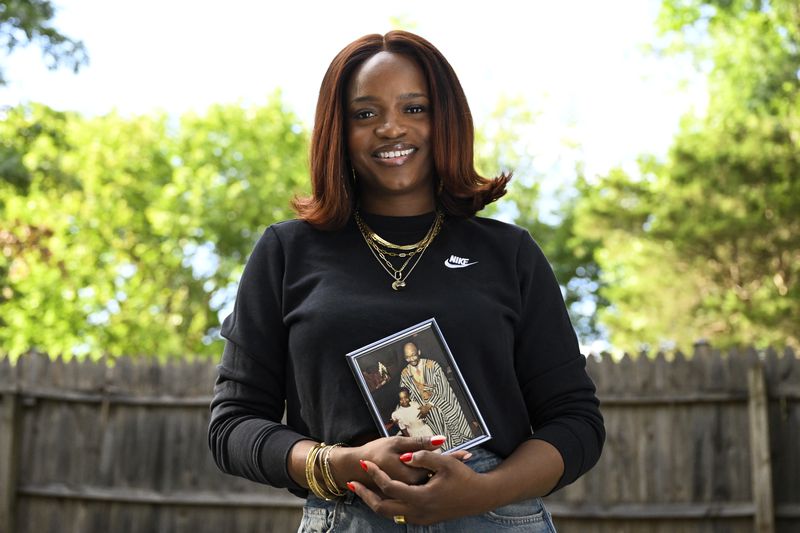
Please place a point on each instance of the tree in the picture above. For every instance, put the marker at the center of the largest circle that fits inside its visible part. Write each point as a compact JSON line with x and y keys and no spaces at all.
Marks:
{"x":500,"y":147}
{"x":23,"y":22}
{"x":127,"y":236}
{"x":707,"y":242}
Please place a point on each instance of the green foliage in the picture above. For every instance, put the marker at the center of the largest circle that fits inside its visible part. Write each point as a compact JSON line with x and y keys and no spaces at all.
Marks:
{"x":573,"y":256}
{"x":498,"y":143}
{"x":23,"y":22}
{"x":707,"y":243}
{"x":500,"y":147}
{"x":126,"y":235}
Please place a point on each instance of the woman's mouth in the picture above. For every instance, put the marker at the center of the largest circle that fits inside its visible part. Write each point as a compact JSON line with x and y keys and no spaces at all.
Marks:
{"x":394,"y":157}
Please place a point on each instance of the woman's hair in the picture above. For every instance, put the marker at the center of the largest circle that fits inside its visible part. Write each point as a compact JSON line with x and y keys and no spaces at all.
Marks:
{"x":464,"y":192}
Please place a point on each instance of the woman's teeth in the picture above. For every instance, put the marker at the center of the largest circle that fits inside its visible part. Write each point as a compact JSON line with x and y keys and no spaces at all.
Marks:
{"x":398,"y":153}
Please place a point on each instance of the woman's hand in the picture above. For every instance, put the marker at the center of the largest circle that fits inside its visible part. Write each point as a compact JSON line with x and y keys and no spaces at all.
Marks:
{"x":464,"y":488}
{"x":455,"y":490}
{"x":350,"y":464}
{"x":386,"y":452}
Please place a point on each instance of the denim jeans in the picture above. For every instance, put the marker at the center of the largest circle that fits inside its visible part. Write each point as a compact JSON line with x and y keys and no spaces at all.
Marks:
{"x":350,"y":514}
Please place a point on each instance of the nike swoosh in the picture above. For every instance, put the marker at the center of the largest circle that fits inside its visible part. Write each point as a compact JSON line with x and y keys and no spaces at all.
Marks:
{"x":448,"y":264}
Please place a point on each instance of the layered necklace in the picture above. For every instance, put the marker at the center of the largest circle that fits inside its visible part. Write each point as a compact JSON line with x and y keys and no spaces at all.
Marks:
{"x":406,"y":255}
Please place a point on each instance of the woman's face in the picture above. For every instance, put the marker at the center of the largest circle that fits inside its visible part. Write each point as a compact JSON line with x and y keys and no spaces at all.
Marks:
{"x":389,"y":135}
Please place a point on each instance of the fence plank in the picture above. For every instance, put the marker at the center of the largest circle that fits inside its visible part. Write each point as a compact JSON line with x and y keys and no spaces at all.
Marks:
{"x":9,"y":414}
{"x":760,"y":452}
{"x":152,"y":497}
{"x":653,"y":511}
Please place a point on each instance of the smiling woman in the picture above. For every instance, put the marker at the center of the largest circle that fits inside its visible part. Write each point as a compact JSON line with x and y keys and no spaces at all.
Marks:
{"x":349,"y":96}
{"x":394,"y":191}
{"x":389,"y":136}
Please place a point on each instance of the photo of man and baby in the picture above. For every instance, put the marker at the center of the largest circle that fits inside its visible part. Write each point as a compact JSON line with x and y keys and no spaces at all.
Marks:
{"x":417,"y":392}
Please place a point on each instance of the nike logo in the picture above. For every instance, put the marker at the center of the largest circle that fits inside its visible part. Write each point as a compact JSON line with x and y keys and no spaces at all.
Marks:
{"x":458,"y":262}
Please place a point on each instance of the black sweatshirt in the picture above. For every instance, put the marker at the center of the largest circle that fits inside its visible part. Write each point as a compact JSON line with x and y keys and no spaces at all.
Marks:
{"x":307,"y":297}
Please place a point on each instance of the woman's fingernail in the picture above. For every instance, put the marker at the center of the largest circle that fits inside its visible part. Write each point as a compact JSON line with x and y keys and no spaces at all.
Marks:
{"x":438,"y":440}
{"x":351,"y":486}
{"x":467,"y":455}
{"x":363,"y":465}
{"x":406,"y":457}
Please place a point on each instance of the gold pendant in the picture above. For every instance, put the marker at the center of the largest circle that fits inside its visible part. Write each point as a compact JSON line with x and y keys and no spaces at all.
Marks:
{"x":398,"y":284}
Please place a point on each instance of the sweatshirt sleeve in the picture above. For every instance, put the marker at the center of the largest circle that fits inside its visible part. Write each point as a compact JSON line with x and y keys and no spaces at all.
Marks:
{"x":245,"y":433}
{"x":560,"y":396}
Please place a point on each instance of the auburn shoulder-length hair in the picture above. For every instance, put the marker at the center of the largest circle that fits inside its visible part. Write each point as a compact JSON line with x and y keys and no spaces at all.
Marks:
{"x":463,"y":191}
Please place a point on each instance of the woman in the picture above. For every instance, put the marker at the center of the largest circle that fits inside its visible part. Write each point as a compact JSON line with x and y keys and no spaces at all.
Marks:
{"x":388,"y":239}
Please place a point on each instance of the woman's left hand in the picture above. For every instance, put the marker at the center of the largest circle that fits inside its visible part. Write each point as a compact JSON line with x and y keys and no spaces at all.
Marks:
{"x":454,"y":490}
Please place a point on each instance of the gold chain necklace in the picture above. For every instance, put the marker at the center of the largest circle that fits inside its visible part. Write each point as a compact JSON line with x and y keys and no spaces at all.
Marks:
{"x":416,"y":250}
{"x":383,"y":242}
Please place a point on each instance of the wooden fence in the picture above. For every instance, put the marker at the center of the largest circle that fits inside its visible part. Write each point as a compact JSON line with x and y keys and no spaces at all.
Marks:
{"x":701,"y":445}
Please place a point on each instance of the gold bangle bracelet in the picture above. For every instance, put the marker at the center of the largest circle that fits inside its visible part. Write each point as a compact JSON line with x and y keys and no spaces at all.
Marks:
{"x":319,"y":488}
{"x":310,"y":461}
{"x":311,"y":478}
{"x":327,"y":473}
{"x":318,"y":457}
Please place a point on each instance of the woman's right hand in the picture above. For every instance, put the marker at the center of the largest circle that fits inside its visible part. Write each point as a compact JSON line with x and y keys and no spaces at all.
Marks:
{"x":385,"y":452}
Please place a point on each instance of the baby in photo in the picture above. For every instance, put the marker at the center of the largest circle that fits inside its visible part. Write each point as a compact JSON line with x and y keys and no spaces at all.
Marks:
{"x":409,"y":417}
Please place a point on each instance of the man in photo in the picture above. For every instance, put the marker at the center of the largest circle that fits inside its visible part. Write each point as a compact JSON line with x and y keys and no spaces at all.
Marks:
{"x":427,"y":385}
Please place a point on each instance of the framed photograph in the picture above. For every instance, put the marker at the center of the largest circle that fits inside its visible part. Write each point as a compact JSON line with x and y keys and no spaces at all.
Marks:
{"x":414,"y":388}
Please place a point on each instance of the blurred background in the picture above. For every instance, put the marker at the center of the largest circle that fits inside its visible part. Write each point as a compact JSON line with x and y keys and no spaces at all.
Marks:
{"x":144,"y":147}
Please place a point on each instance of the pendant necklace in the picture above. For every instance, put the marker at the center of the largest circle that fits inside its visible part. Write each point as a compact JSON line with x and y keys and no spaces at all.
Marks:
{"x":409,"y":254}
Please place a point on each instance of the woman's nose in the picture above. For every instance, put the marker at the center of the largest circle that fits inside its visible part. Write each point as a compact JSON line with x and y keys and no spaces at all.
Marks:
{"x":391,"y":128}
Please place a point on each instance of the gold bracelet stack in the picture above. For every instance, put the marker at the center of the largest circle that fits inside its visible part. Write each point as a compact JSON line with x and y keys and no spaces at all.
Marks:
{"x":319,"y":457}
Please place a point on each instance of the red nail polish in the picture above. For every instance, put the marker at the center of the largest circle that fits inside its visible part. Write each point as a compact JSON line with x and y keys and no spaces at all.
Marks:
{"x":406,"y":457}
{"x":438,"y":440}
{"x":363,"y":465}
{"x":351,"y":486}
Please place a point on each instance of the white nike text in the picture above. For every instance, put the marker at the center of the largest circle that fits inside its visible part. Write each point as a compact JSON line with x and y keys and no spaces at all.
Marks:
{"x":458,"y":262}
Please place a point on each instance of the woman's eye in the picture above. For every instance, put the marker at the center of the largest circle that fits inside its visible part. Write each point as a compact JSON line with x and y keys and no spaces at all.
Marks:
{"x":415,"y":109}
{"x":361,"y":115}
